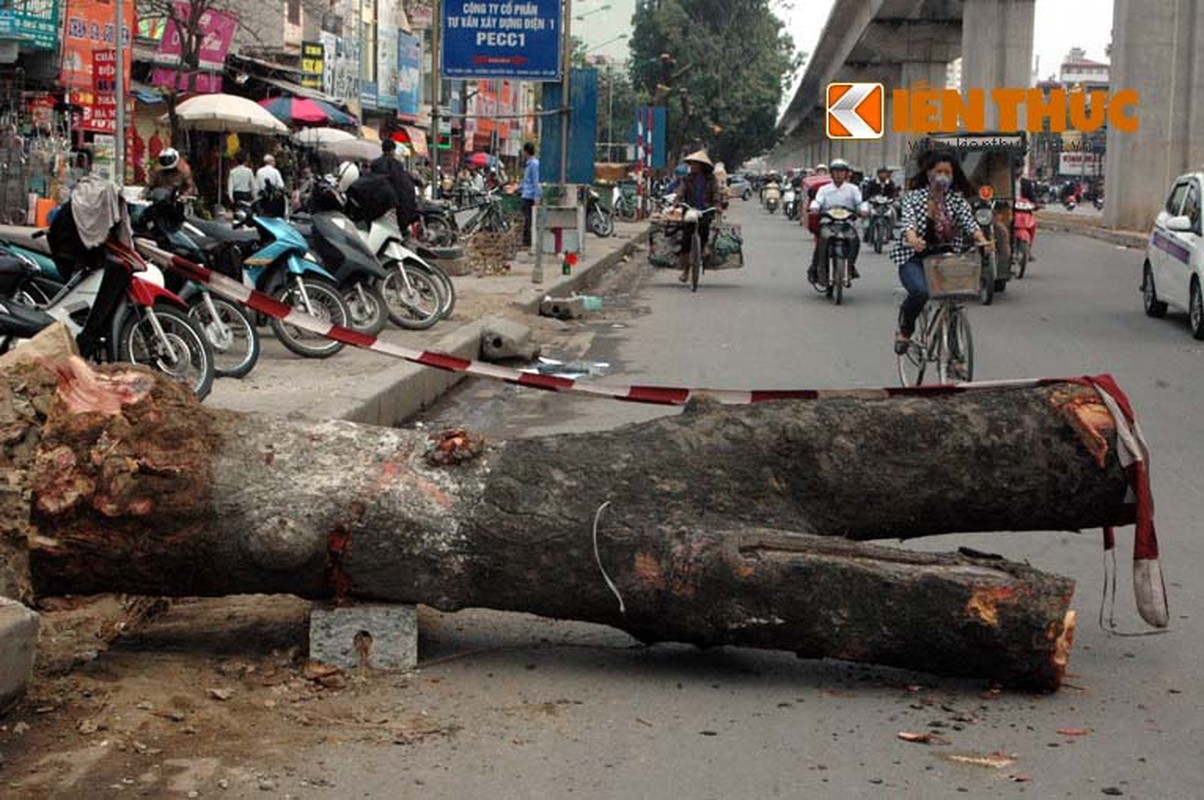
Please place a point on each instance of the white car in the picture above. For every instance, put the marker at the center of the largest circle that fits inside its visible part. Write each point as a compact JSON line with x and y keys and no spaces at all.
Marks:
{"x":1173,"y":273}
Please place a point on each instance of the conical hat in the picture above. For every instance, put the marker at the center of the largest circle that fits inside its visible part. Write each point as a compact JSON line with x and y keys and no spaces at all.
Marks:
{"x":701,"y":157}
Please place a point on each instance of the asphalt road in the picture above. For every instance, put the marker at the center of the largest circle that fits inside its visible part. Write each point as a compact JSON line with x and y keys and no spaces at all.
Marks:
{"x":546,"y":709}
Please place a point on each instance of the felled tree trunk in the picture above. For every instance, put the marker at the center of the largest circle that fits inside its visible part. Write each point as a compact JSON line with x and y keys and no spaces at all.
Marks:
{"x":137,"y":488}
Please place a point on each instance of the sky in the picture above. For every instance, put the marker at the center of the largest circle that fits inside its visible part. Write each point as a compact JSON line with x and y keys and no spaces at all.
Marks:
{"x":1058,"y":26}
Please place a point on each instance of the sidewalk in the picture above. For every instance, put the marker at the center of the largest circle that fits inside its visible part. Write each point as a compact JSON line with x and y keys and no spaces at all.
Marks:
{"x":368,"y":387}
{"x":1089,"y":224}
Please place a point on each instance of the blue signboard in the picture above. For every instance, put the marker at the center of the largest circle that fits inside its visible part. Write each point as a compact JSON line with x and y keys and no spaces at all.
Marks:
{"x":583,"y":129}
{"x":367,"y":94}
{"x":515,"y":39}
{"x":409,"y":75}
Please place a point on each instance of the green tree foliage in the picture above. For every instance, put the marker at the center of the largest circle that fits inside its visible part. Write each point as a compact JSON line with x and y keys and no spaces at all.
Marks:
{"x":732,"y":58}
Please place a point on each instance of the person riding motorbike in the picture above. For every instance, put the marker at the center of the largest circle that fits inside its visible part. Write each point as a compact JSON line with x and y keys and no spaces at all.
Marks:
{"x":879,"y":186}
{"x":1026,"y":189}
{"x":173,"y":173}
{"x":935,"y":212}
{"x":700,"y":190}
{"x":399,"y":178}
{"x":840,"y":192}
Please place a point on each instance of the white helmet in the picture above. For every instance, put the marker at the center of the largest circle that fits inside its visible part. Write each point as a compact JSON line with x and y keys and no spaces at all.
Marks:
{"x":820,"y":166}
{"x":347,"y":174}
{"x":839,"y":163}
{"x":169,"y":158}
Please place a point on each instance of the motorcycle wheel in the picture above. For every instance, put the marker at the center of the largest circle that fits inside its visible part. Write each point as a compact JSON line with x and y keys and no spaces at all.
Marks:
{"x":1021,"y":258}
{"x":839,"y":268}
{"x":439,"y":232}
{"x":328,"y":306}
{"x":232,"y":336}
{"x":601,"y":223}
{"x":986,"y":284}
{"x":192,"y":364}
{"x":877,"y":237}
{"x":415,"y":304}
{"x":367,"y":313}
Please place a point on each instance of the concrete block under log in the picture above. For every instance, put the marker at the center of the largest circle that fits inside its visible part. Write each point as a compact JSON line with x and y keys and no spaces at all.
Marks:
{"x":380,"y":636}
{"x":18,"y":646}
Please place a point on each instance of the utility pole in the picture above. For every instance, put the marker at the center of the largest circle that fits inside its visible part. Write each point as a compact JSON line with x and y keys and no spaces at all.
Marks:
{"x":119,"y":97}
{"x":566,"y":103}
{"x":433,"y":149}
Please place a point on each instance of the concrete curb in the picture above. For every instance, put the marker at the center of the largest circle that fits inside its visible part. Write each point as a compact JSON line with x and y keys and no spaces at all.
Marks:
{"x":1065,"y":223}
{"x":566,"y":285}
{"x":403,"y":392}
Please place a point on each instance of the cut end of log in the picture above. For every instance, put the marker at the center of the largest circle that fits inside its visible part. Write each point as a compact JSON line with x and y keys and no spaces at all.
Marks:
{"x":84,"y":389}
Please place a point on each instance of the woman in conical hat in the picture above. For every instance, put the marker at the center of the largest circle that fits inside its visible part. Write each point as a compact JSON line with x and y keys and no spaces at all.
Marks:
{"x":699,"y":190}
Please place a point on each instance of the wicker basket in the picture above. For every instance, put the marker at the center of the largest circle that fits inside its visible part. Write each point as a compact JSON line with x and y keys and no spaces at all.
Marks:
{"x":953,"y":275}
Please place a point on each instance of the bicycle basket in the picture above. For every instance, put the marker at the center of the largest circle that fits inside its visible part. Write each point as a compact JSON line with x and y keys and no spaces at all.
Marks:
{"x":953,"y":275}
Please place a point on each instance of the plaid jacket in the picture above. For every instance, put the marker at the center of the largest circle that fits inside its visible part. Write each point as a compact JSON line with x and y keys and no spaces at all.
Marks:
{"x":915,"y":218}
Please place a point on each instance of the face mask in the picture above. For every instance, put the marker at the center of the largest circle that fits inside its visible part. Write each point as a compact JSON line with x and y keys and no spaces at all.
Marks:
{"x":941,"y":181}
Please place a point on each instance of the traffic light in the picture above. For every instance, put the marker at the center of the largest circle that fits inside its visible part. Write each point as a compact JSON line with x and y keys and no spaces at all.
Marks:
{"x":444,"y":143}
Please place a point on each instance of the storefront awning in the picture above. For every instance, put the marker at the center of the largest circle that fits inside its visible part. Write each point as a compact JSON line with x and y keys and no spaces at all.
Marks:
{"x":297,"y":90}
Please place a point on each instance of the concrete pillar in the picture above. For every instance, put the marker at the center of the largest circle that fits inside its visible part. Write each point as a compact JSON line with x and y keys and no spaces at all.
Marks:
{"x":1156,"y":51}
{"x":997,"y":47}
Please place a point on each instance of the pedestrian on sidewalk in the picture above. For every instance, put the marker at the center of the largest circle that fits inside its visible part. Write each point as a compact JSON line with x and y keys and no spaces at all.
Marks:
{"x":530,"y":190}
{"x":240,"y":186}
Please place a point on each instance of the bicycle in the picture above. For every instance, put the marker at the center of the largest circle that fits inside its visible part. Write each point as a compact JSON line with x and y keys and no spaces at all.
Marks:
{"x":695,"y":216}
{"x":942,"y":333}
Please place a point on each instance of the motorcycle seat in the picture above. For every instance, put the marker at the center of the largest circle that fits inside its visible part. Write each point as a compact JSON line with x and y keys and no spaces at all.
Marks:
{"x":224,"y":233}
{"x":17,"y":319}
{"x":12,"y":271}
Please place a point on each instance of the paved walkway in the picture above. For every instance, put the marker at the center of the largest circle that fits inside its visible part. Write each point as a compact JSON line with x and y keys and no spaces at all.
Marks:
{"x":369,"y":387}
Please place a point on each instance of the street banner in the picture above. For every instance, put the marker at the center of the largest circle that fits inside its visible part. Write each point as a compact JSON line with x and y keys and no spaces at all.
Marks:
{"x":92,"y":25}
{"x":515,"y":40}
{"x":217,"y":29}
{"x":34,"y":23}
{"x":1084,"y":163}
{"x":312,"y":64}
{"x":386,"y":55}
{"x":409,"y":75}
{"x":104,"y":71}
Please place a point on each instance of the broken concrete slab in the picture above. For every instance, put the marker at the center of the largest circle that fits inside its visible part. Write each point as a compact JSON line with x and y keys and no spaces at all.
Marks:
{"x":563,"y":307}
{"x":503,"y":339}
{"x":377,"y":636}
{"x":18,"y":645}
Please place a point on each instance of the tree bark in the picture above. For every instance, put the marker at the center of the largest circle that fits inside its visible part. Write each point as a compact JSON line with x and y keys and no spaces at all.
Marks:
{"x":712,"y":533}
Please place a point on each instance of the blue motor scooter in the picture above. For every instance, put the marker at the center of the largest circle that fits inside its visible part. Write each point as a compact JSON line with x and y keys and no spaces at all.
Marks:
{"x":278,"y":263}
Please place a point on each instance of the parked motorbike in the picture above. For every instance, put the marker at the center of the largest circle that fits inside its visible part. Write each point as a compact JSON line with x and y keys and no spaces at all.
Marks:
{"x":229,"y":328}
{"x":836,"y":225}
{"x":113,"y":303}
{"x":881,"y":222}
{"x":790,"y":203}
{"x":281,"y":267}
{"x":1024,"y":230}
{"x":1069,"y":203}
{"x":597,"y":217}
{"x":417,"y":292}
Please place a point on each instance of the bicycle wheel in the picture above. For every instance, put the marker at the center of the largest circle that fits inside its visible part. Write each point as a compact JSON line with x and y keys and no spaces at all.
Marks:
{"x":958,"y":361}
{"x":695,"y":262}
{"x":914,"y":363}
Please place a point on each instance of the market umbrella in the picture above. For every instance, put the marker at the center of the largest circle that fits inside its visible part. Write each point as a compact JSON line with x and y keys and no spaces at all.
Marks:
{"x":354,"y":150}
{"x":321,"y":137}
{"x":304,"y":111}
{"x":477,"y":160}
{"x":226,"y":113}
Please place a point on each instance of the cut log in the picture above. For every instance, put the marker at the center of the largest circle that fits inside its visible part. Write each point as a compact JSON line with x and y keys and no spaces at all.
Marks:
{"x":137,"y":488}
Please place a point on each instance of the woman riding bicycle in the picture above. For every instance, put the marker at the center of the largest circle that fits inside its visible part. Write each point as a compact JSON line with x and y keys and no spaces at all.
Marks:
{"x":935,"y":213}
{"x":700,"y":190}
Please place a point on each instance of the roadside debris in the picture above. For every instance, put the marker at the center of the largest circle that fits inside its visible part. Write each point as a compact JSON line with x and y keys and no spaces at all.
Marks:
{"x":994,"y":760}
{"x":571,"y":370}
{"x":922,"y":738}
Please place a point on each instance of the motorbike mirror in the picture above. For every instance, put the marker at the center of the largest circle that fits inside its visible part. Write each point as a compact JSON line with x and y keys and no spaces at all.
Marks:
{"x":1179,"y":224}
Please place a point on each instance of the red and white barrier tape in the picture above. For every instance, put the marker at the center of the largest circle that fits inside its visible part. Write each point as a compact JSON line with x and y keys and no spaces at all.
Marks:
{"x":1151,"y":593}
